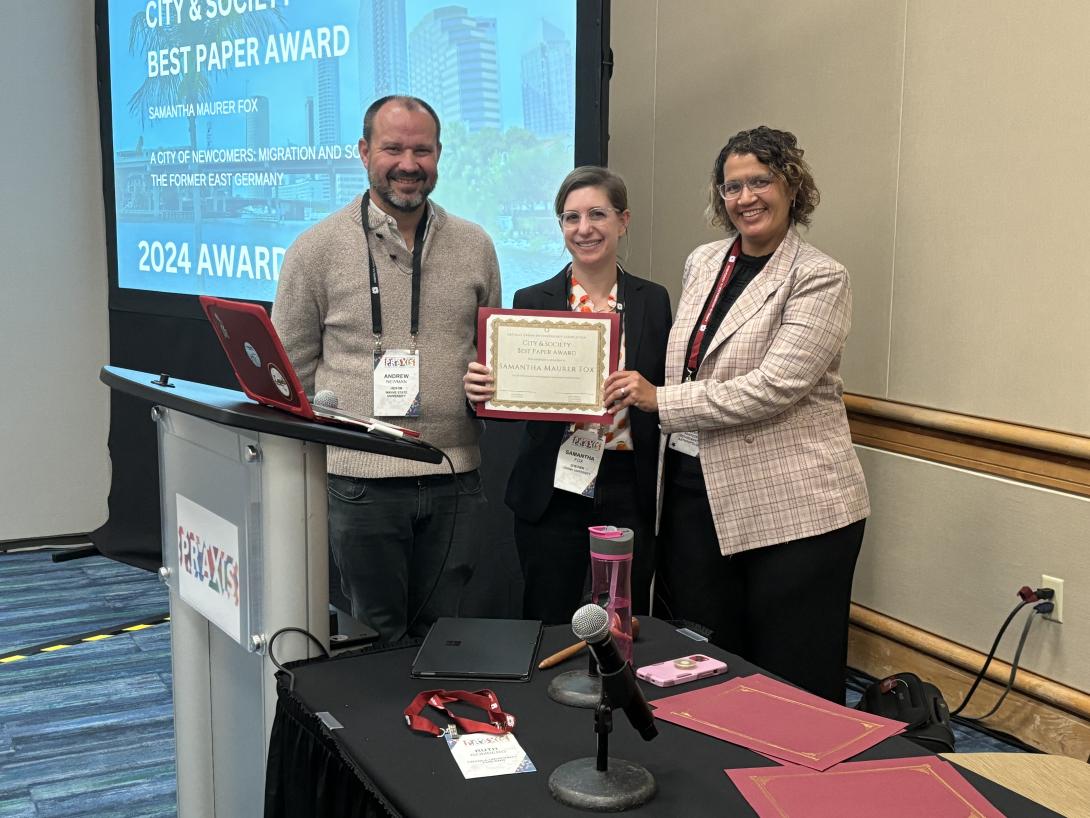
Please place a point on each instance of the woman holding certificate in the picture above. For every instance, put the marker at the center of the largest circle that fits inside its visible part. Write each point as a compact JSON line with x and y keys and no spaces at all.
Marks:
{"x":764,"y":501}
{"x":554,"y":503}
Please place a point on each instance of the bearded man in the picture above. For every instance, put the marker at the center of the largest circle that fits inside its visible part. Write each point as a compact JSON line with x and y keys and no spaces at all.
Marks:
{"x":378,"y":303}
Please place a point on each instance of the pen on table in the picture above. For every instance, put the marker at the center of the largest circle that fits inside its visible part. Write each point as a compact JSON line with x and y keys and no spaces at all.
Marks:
{"x":572,"y":650}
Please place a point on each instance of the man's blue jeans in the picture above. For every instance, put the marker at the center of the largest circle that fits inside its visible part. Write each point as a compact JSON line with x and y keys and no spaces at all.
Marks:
{"x":389,"y":537}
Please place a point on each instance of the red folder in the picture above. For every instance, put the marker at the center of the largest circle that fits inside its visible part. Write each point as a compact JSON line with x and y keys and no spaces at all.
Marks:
{"x":893,"y":788}
{"x":777,"y":720}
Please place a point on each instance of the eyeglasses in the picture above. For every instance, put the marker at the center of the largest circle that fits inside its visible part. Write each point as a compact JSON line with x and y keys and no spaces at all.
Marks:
{"x":570,"y":219}
{"x":732,"y":189}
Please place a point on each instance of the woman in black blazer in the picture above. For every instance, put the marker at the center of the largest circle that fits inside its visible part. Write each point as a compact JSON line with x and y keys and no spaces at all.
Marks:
{"x":550,"y":523}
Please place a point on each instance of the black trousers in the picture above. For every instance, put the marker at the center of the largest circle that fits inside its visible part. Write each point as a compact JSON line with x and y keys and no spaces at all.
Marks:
{"x":784,"y":607}
{"x":391,"y":539}
{"x":555,"y":550}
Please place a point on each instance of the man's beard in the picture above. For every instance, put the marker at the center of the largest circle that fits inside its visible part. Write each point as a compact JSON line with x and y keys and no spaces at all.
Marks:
{"x":384,"y":188}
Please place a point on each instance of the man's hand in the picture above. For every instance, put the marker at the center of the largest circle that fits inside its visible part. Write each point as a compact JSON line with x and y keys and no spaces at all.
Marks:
{"x":478,"y":383}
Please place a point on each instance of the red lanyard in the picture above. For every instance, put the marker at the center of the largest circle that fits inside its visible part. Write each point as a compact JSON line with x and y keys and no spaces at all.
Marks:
{"x":698,"y":337}
{"x":486,"y":700}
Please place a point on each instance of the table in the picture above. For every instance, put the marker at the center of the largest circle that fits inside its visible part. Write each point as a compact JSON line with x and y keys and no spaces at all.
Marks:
{"x":374,"y":765}
{"x":1058,"y":782}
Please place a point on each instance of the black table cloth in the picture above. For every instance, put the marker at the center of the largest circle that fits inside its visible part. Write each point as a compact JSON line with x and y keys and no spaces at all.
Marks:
{"x":374,"y":765}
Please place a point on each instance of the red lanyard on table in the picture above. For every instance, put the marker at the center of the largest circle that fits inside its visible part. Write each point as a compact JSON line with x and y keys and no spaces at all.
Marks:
{"x":486,"y":700}
{"x":693,"y":361}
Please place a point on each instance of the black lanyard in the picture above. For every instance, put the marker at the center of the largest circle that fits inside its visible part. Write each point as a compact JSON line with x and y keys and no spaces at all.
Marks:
{"x":376,"y":299}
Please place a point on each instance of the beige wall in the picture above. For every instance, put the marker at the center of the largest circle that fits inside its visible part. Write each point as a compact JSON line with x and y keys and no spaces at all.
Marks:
{"x":54,"y":413}
{"x":948,"y":142}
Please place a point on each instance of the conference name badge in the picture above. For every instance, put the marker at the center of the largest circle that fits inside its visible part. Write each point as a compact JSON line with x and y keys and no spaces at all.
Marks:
{"x":685,"y":442}
{"x":479,"y":755}
{"x":578,"y":461}
{"x":397,"y":383}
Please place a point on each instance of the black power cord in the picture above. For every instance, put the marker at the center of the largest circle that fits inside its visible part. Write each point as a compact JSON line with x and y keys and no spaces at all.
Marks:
{"x":1043,"y":607}
{"x":1028,"y":595}
{"x":991,"y":654}
{"x":293,"y":629}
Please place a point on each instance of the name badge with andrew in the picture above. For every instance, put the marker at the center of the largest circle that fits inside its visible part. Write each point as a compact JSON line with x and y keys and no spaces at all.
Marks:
{"x":397,"y":383}
{"x":578,"y":461}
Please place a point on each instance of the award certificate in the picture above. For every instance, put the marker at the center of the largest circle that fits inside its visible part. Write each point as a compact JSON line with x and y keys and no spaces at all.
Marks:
{"x":546,"y":364}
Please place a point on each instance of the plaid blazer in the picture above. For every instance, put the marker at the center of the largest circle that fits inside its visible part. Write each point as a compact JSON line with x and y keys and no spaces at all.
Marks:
{"x":767,"y":400}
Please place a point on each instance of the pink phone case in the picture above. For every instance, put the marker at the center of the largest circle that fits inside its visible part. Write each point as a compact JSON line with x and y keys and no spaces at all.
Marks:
{"x":684,"y":669}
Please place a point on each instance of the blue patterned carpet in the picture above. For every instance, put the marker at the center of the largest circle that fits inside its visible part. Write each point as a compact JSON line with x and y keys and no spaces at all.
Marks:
{"x":85,"y":730}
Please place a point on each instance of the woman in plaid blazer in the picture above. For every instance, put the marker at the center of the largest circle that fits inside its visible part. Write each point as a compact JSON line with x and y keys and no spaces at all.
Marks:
{"x":763,"y":500}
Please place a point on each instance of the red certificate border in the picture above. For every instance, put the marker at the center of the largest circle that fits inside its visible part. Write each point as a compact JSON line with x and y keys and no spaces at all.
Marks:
{"x":484,"y":313}
{"x":701,"y":710}
{"x":756,"y":783}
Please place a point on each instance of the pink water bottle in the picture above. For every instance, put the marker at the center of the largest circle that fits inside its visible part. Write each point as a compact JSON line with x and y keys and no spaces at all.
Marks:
{"x":611,"y":580}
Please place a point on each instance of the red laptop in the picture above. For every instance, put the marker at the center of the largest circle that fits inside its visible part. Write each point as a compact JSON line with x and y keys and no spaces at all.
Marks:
{"x":264,"y":370}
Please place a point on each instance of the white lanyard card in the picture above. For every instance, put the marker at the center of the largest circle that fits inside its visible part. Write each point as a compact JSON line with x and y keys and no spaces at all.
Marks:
{"x":397,"y":383}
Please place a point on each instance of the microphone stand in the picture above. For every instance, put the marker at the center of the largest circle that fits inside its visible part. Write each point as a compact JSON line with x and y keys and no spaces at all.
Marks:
{"x":592,"y":784}
{"x":577,"y":688}
{"x":603,"y":726}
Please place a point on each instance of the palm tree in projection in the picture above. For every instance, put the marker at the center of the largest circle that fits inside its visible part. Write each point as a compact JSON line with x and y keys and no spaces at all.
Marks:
{"x":191,"y":87}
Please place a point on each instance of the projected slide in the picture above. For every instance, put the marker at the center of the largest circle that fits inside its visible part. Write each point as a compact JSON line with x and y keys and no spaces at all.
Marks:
{"x":235,"y":125}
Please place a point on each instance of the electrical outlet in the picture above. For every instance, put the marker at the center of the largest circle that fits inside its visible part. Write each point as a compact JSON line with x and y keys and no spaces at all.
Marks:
{"x":1057,"y":585}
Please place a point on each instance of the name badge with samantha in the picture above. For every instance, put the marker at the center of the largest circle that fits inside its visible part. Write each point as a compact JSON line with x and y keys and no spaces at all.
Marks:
{"x":678,"y":671}
{"x":578,"y":461}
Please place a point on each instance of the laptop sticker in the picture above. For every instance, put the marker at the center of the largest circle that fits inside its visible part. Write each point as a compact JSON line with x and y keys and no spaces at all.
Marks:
{"x":280,"y":381}
{"x":222,"y":326}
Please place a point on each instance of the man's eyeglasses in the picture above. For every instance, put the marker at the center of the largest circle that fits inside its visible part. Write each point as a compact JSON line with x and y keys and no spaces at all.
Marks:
{"x":732,"y":189}
{"x":570,"y":219}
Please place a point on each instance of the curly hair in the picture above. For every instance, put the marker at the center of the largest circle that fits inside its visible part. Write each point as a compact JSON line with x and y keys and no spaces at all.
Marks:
{"x":781,"y":152}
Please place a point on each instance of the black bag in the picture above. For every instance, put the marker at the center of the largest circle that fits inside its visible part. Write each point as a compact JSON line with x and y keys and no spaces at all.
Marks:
{"x":905,"y":697}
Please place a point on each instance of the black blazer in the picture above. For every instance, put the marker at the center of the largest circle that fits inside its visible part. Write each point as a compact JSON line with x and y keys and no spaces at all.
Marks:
{"x":647,"y":319}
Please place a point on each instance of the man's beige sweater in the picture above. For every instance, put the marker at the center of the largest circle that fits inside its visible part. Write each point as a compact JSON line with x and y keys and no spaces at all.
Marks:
{"x":323,"y":315}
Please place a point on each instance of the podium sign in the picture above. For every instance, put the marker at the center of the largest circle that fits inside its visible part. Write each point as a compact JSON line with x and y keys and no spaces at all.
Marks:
{"x":211,"y":523}
{"x":209,"y":579}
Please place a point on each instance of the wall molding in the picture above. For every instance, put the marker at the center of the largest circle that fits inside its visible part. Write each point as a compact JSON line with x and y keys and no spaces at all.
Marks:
{"x":1040,"y":457}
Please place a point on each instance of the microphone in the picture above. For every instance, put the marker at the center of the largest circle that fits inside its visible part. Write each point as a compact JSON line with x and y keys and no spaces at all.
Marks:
{"x":325,"y":398}
{"x":591,"y":624}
